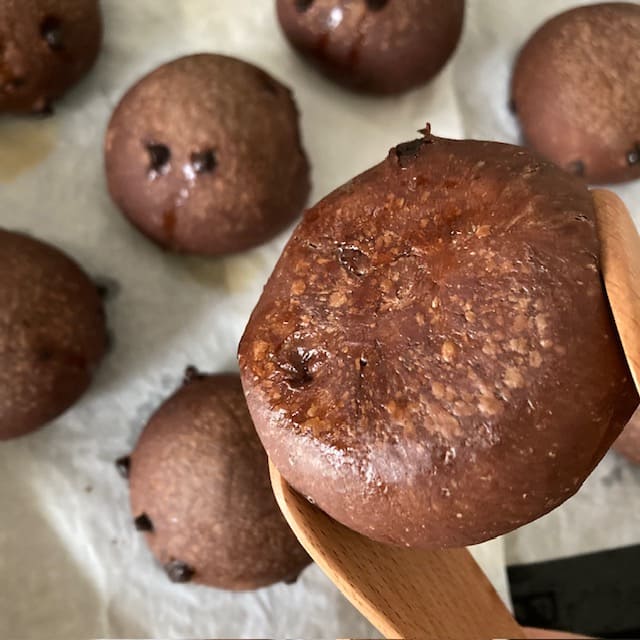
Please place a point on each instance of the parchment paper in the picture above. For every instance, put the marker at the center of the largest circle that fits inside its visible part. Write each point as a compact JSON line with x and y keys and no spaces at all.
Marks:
{"x":71,"y":564}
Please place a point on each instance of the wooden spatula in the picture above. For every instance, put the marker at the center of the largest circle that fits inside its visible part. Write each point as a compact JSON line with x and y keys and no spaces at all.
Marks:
{"x":620,"y":259}
{"x":409,"y":593}
{"x":404,"y":593}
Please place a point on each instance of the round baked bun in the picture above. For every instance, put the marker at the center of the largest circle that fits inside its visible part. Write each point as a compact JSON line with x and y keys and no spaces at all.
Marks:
{"x":200,"y":490}
{"x":576,"y":91}
{"x":53,"y":333}
{"x":204,"y":156}
{"x":46,"y":47}
{"x":376,"y":46}
{"x":433,"y":360}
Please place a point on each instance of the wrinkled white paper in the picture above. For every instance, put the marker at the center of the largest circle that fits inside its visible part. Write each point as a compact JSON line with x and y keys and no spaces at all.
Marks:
{"x":71,"y":564}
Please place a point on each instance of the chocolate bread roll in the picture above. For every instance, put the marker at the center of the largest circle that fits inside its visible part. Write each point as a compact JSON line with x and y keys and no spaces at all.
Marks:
{"x":46,"y":47}
{"x":628,"y":444}
{"x":204,"y":156}
{"x":52,"y":333}
{"x":433,"y":360}
{"x":200,"y":491}
{"x":576,"y":91}
{"x":377,"y":46}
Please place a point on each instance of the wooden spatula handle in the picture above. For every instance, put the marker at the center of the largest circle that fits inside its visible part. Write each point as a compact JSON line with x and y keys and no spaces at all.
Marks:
{"x":404,"y":593}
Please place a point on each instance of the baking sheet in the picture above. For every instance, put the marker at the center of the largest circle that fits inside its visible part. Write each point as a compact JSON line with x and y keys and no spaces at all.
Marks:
{"x":71,"y":564}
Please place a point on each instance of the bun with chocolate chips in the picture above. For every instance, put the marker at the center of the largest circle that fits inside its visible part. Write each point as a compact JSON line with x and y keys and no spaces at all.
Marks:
{"x":200,"y":491}
{"x":204,"y":156}
{"x":52,"y":333}
{"x":433,"y":360}
{"x":576,"y":91}
{"x":46,"y":47}
{"x":377,"y":46}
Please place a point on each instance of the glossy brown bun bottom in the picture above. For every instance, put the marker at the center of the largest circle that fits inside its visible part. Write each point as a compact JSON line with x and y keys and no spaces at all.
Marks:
{"x":576,"y":91}
{"x":47,"y":47}
{"x":376,"y":46}
{"x":200,"y":491}
{"x":52,"y":333}
{"x":433,"y":360}
{"x":628,"y":444}
{"x":204,"y":156}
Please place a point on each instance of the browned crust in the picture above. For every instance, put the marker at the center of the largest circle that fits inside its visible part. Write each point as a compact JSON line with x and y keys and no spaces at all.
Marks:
{"x":259,"y":180}
{"x":389,"y":48}
{"x":46,"y":47}
{"x":52,"y":333}
{"x":433,"y":360}
{"x":576,"y":91}
{"x":200,"y":475}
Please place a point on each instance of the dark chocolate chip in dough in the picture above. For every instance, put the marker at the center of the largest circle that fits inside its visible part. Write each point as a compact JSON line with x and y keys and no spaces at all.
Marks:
{"x":407,"y":152}
{"x":179,"y":571}
{"x":204,"y":161}
{"x":577,"y":168}
{"x":51,"y":31}
{"x":376,"y":5}
{"x":303,"y":5}
{"x":159,"y":157}
{"x":353,"y":260}
{"x":191,"y":373}
{"x":143,"y":523}
{"x":123,"y":465}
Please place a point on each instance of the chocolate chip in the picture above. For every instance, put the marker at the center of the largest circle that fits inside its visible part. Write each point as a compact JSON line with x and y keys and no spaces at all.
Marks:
{"x":44,"y":354}
{"x":353,"y":260}
{"x":512,"y":106}
{"x":296,"y":367}
{"x":376,"y":5}
{"x":106,"y":287}
{"x":179,"y":571}
{"x":123,"y":465}
{"x":633,"y":156}
{"x":13,"y":84}
{"x":303,"y":5}
{"x":426,"y":133}
{"x":291,"y":579}
{"x":159,"y":157}
{"x":143,"y":523}
{"x":43,"y":107}
{"x":577,"y":168}
{"x":51,"y":31}
{"x":407,"y":152}
{"x":204,"y":161}
{"x":191,"y":373}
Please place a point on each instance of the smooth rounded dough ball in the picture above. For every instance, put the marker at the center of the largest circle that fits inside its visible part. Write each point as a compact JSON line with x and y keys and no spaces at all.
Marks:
{"x":433,"y":360}
{"x":200,"y":489}
{"x":204,"y":156}
{"x":628,"y":444}
{"x":52,"y":333}
{"x":46,"y":47}
{"x":576,"y":91}
{"x":377,"y":46}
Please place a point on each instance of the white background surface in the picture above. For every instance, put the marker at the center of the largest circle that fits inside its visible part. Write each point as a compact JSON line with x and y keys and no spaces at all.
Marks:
{"x":71,"y":564}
